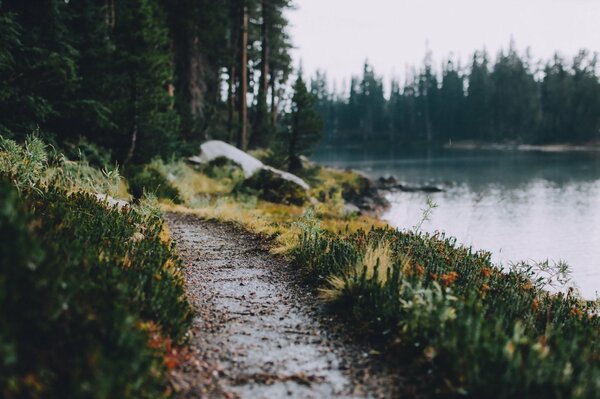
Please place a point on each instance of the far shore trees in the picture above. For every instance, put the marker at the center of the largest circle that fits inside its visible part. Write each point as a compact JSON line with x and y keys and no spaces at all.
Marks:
{"x":513,"y":99}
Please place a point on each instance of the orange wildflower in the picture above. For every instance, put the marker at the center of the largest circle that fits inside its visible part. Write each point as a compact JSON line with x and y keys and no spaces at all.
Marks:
{"x":449,"y":278}
{"x":419,"y":269}
{"x":576,"y":312}
{"x":486,"y":272}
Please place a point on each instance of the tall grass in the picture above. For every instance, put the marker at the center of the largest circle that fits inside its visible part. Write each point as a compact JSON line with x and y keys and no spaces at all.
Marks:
{"x":91,"y":295}
{"x":456,"y":317}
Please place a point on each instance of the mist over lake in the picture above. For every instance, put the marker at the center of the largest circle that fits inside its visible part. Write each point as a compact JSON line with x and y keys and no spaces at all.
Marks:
{"x":519,"y":205}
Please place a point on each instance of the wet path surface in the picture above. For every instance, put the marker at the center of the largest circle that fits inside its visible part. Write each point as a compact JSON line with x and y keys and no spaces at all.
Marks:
{"x":256,"y":334}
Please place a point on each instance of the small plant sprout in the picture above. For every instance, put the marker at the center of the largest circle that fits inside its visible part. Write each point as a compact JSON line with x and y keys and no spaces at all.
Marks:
{"x":426,"y":214}
{"x":545,"y":274}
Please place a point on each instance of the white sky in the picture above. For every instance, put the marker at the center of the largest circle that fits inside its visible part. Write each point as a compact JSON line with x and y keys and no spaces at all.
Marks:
{"x":338,"y":35}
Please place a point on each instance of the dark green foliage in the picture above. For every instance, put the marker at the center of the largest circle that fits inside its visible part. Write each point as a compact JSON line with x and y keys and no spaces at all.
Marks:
{"x":77,"y":288}
{"x":39,"y":66}
{"x":507,"y":101}
{"x":140,"y":77}
{"x":273,"y":188}
{"x":471,"y":328}
{"x":304,"y":126}
{"x":141,"y":73}
{"x":223,"y":167}
{"x":148,"y":180}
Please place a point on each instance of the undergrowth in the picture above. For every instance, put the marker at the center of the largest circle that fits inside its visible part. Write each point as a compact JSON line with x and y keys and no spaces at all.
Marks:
{"x":92,"y":297}
{"x":475,"y":330}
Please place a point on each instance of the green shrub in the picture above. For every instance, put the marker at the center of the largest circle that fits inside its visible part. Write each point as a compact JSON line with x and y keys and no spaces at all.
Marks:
{"x":479,"y":331}
{"x":149,"y":179}
{"x":223,"y":168}
{"x":271,"y":187}
{"x":80,"y":288}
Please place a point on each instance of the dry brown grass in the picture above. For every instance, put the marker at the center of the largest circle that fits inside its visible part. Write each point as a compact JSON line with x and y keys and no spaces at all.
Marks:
{"x":275,"y":221}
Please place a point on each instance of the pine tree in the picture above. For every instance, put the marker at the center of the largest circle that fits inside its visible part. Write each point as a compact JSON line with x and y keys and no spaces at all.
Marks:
{"x":304,"y":125}
{"x":451,"y":111}
{"x":41,"y":74}
{"x":274,"y":68}
{"x":478,"y":113}
{"x":141,"y":74}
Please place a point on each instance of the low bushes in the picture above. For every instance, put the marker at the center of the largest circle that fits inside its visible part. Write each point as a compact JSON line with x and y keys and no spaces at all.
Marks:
{"x":150,"y":179}
{"x":90,"y":296}
{"x":475,"y":330}
{"x":271,"y":187}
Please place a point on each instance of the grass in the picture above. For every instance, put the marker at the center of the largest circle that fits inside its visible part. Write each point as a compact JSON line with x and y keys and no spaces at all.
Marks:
{"x":455,"y":322}
{"x":92,"y":295}
{"x":468,"y":327}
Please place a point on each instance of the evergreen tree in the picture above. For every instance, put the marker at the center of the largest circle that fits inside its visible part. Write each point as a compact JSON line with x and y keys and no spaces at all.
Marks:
{"x":324,"y":103}
{"x":427,"y":100}
{"x":478,"y":112}
{"x":586,"y":100}
{"x":304,"y":127}
{"x":141,"y":73}
{"x":452,"y":98}
{"x":557,"y":102}
{"x":515,"y":100}
{"x":40,"y":75}
{"x":371,"y":102}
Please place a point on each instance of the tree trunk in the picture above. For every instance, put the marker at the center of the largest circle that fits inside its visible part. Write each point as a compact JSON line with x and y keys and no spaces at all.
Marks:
{"x":109,"y":13}
{"x":134,"y":118}
{"x":294,"y":162}
{"x":264,"y":74}
{"x":231,"y":101}
{"x":261,"y":122}
{"x":242,"y":141}
{"x":273,"y":101}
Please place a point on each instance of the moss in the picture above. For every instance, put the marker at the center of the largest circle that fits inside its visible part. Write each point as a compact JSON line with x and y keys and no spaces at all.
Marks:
{"x":271,"y":187}
{"x":150,"y":180}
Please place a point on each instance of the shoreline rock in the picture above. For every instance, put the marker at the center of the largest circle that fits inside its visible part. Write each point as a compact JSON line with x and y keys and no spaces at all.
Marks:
{"x":390,"y":183}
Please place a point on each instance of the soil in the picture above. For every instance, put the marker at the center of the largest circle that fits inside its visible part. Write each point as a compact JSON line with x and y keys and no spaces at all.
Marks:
{"x":258,"y":332}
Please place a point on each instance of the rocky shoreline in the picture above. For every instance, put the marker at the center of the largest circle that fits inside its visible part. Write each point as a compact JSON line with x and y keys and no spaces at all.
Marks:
{"x":371,"y":197}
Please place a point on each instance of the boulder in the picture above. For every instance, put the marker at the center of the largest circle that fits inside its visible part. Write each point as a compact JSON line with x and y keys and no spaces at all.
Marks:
{"x":270,"y":183}
{"x":110,"y":201}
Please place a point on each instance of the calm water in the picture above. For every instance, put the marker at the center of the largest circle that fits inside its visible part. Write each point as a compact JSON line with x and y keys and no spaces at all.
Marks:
{"x":518,"y":205}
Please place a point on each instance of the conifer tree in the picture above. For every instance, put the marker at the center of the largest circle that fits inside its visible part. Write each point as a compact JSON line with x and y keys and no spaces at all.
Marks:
{"x":478,"y":113}
{"x":141,"y":74}
{"x":41,"y":75}
{"x":304,"y":127}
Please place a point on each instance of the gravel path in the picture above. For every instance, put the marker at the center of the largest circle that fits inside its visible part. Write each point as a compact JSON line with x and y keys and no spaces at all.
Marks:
{"x":257,"y":333}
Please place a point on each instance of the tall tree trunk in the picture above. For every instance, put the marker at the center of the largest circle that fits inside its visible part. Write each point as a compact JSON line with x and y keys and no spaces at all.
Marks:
{"x":109,"y":13}
{"x":261,"y":122}
{"x":242,"y":141}
{"x":273,"y":101}
{"x":231,"y":101}
{"x":134,"y":118}
{"x":264,"y":30}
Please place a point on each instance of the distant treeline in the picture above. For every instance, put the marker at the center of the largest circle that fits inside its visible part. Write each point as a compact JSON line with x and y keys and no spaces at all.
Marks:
{"x":510,"y":100}
{"x":143,"y":78}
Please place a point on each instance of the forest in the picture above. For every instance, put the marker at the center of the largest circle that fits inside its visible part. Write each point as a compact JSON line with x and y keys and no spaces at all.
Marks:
{"x":513,"y":99}
{"x":112,"y":233}
{"x":144,"y":78}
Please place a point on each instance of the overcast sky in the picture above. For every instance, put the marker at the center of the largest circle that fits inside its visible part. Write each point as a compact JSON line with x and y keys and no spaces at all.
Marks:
{"x":338,"y":35}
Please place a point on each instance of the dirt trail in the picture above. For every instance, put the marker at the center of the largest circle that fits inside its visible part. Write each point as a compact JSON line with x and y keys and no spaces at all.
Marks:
{"x":256,"y":333}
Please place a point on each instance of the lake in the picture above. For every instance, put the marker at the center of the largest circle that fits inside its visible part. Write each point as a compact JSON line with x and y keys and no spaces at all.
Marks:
{"x":519,"y":205}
